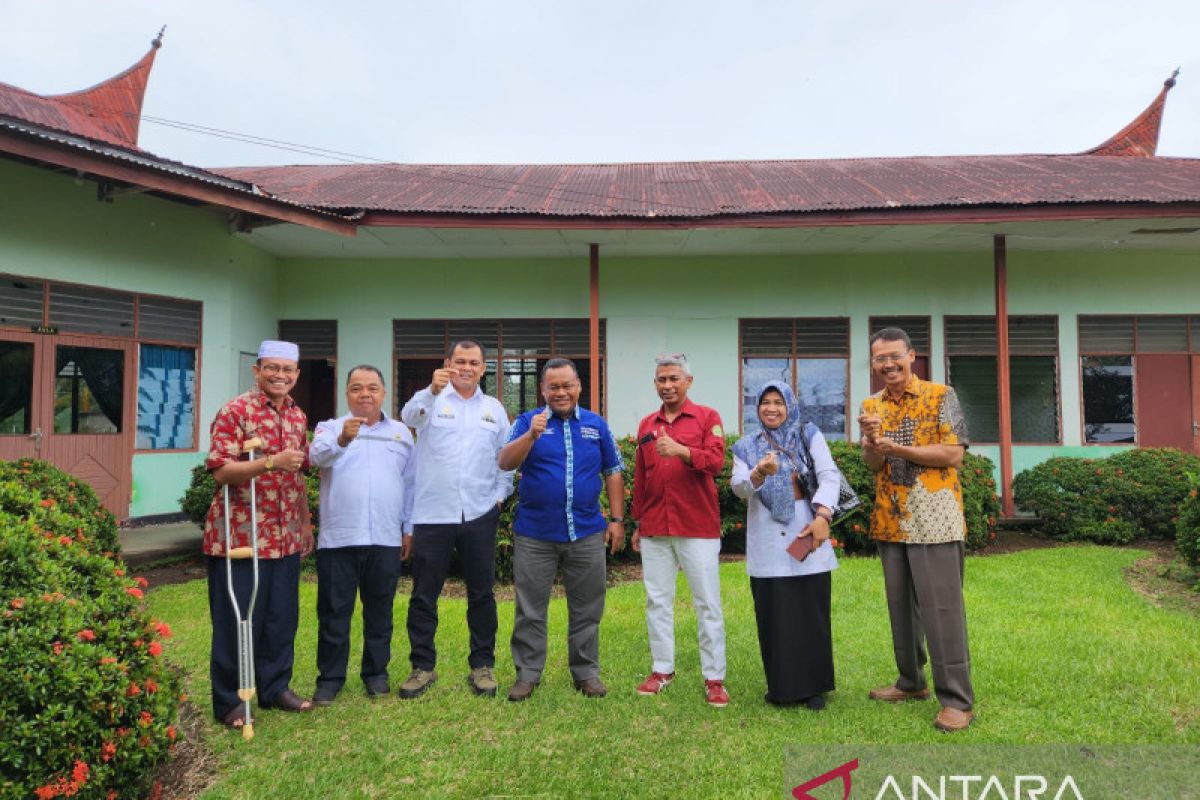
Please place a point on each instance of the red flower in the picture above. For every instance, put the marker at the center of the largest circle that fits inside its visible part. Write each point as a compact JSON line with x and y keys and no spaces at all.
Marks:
{"x":58,"y":648}
{"x":47,"y":503}
{"x":80,"y":773}
{"x":146,"y":719}
{"x":142,"y":582}
{"x":151,"y":686}
{"x":122,"y":732}
{"x":134,"y":592}
{"x":46,"y":792}
{"x":155,"y":649}
{"x":164,"y":630}
{"x":108,"y":660}
{"x":64,"y":540}
{"x":112,"y":795}
{"x":133,"y":690}
{"x":143,"y":741}
{"x":120,"y":573}
{"x":171,"y":733}
{"x":17,"y":602}
{"x":86,"y":635}
{"x":107,"y":751}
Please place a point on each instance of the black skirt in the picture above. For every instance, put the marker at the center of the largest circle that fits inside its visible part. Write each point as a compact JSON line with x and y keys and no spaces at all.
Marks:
{"x":794,"y":635}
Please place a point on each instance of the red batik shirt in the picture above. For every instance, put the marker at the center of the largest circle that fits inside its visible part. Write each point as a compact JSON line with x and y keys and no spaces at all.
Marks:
{"x":670,"y":496}
{"x":281,"y":497}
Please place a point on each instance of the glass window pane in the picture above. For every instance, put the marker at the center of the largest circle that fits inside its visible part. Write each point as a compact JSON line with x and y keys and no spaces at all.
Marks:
{"x":89,"y":390}
{"x":87,"y":309}
{"x":1034,"y":393}
{"x":756,"y":372}
{"x":821,"y":390}
{"x":974,"y":380}
{"x":166,"y":397}
{"x":16,"y":387}
{"x":1108,"y":400}
{"x":1162,"y":335}
{"x":520,"y":385}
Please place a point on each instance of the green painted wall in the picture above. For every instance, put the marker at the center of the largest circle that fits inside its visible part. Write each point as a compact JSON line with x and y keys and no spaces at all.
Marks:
{"x":51,"y":227}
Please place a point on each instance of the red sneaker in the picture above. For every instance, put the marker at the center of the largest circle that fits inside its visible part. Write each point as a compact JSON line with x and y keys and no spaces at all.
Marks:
{"x":715,"y":694}
{"x":655,"y":683}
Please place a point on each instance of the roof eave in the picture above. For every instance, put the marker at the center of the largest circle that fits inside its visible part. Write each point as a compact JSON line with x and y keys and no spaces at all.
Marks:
{"x":934,"y":215}
{"x":63,"y":155}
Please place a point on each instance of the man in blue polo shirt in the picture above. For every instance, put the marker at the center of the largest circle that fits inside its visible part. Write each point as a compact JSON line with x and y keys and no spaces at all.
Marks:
{"x":563,"y":451}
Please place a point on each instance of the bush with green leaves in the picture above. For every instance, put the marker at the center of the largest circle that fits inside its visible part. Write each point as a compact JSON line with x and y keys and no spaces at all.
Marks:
{"x":70,"y":495}
{"x":1112,"y":500}
{"x":88,"y":706}
{"x":1187,"y":525}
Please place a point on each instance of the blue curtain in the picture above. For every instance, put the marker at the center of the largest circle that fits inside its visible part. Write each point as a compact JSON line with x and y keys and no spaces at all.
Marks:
{"x":166,"y":397}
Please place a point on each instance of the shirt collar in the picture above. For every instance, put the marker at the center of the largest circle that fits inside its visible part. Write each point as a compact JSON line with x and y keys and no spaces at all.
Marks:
{"x":259,"y":397}
{"x":574,"y":413}
{"x":912,"y":388}
{"x":688,"y":408}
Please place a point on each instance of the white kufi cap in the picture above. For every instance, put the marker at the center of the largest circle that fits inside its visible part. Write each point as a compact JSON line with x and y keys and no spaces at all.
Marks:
{"x":274,"y":349}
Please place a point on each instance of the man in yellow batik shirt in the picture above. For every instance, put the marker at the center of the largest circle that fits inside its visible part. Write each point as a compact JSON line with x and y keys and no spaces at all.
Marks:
{"x":913,"y":437}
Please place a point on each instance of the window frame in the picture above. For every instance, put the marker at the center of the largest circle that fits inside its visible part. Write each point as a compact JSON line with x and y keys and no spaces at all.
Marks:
{"x":1056,"y":355}
{"x":500,"y":357}
{"x":793,"y":359}
{"x":136,"y":339}
{"x":1192,"y":323}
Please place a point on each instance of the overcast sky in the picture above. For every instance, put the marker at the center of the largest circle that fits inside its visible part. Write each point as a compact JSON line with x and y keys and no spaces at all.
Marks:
{"x":543,"y":81}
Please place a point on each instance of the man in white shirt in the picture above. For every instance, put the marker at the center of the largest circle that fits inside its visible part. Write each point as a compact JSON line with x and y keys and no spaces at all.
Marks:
{"x":367,"y":468}
{"x":459,"y":492}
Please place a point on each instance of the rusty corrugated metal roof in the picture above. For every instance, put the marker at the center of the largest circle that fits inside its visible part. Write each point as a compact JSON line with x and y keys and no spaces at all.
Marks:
{"x":110,"y":111}
{"x":722,"y":188}
{"x":1140,"y":137}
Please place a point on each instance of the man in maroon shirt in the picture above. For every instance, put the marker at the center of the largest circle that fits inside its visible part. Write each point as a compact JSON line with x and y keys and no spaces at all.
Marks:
{"x":681,"y":448}
{"x":267,"y":413}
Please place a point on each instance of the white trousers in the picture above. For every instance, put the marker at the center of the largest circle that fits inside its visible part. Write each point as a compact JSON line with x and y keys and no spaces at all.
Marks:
{"x":662,"y":558}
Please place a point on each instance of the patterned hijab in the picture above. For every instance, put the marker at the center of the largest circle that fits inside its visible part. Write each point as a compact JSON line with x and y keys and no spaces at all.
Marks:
{"x":776,"y":494}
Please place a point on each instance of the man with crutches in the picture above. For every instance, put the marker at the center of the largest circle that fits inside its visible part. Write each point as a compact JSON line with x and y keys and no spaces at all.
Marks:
{"x":274,"y":529}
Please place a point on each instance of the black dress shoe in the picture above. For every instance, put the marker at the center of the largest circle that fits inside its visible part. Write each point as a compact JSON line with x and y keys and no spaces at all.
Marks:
{"x":815,"y":703}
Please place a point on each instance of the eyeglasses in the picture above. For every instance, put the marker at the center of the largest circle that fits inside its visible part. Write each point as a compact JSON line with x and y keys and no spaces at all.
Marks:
{"x":888,"y":358}
{"x":277,"y":369}
{"x":561,"y":387}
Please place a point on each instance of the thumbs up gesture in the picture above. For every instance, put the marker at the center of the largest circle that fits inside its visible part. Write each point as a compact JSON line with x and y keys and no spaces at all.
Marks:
{"x":537,"y":426}
{"x":666,"y":446}
{"x":350,"y":430}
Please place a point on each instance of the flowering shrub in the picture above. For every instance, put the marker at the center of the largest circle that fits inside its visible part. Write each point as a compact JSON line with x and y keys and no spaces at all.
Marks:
{"x":1111,"y":500}
{"x":88,"y":706}
{"x":57,"y":489}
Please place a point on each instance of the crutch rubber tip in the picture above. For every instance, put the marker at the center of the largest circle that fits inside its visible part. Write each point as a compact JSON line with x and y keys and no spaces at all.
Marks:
{"x":248,"y":730}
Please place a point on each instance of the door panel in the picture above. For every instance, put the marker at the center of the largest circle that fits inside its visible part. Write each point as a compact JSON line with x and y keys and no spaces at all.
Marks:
{"x":1163,"y":389}
{"x":1196,"y":404}
{"x":89,"y":424}
{"x":20,"y":396}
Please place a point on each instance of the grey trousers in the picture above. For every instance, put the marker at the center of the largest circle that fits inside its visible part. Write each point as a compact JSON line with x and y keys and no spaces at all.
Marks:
{"x":924,"y":585}
{"x":535,"y":563}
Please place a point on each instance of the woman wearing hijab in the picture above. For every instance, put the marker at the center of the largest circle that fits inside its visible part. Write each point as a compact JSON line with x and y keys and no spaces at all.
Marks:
{"x":791,"y":596}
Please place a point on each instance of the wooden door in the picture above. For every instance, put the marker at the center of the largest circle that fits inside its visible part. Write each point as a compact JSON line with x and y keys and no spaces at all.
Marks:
{"x":1164,"y":400}
{"x":71,"y":400}
{"x":1196,"y":404}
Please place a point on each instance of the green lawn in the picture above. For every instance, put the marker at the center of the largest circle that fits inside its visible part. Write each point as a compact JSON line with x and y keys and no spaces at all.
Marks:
{"x":1063,"y":651}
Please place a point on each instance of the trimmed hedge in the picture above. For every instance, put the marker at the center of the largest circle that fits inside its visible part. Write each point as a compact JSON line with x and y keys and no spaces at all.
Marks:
{"x":982,"y":507}
{"x":87,"y":704}
{"x":1111,"y":500}
{"x":1187,"y":526}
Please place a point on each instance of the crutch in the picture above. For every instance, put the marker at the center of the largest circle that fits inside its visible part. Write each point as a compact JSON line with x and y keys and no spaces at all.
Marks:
{"x":245,"y":629}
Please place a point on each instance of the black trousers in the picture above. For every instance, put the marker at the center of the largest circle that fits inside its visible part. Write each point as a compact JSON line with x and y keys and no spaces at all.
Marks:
{"x":276,"y":616}
{"x":370,"y":572}
{"x":433,"y":547}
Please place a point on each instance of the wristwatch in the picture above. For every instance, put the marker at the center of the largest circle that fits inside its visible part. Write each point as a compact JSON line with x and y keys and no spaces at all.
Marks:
{"x":824,"y":513}
{"x":270,"y":463}
{"x":617,"y":519}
